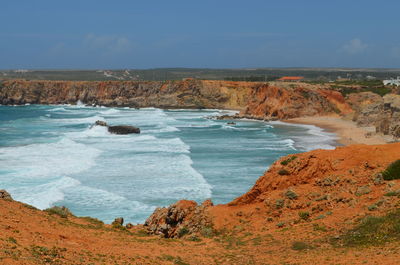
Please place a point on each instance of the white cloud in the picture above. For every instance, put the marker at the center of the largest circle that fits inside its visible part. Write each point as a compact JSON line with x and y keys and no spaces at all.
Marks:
{"x":113,"y":44}
{"x":354,"y":46}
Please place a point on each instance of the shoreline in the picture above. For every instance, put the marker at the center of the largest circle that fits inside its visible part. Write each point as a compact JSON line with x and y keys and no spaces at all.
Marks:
{"x":347,"y":131}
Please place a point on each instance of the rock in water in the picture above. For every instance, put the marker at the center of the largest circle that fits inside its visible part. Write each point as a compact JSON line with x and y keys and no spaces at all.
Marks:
{"x":5,"y":195}
{"x":119,"y":129}
{"x":101,"y":123}
{"x":123,"y":129}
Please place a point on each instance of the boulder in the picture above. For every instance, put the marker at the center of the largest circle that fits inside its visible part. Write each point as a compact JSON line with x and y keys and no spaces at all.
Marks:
{"x":118,"y":221}
{"x":101,"y":123}
{"x":119,"y":129}
{"x":183,"y":217}
{"x":123,"y":129}
{"x":4,"y":195}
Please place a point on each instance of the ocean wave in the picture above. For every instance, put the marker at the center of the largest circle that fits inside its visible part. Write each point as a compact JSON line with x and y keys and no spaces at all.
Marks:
{"x":57,"y":109}
{"x":86,"y":120}
{"x":110,"y":112}
{"x":44,"y":195}
{"x":163,"y":130}
{"x":37,"y":161}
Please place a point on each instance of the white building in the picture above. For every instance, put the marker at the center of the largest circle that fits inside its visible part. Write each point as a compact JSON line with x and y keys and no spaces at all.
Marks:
{"x":393,"y":82}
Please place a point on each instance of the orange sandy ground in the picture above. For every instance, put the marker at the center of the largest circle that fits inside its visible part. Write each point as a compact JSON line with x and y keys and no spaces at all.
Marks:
{"x":248,"y":231}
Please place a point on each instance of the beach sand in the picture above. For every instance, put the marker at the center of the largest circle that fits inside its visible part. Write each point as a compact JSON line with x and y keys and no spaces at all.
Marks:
{"x":347,"y":130}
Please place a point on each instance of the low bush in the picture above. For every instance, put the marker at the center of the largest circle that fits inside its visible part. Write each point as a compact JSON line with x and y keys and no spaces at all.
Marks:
{"x":183,"y":231}
{"x":298,"y":245}
{"x":392,"y":171}
{"x":59,"y":210}
{"x":287,"y":161}
{"x":304,"y":215}
{"x":373,"y":231}
{"x":283,"y":172}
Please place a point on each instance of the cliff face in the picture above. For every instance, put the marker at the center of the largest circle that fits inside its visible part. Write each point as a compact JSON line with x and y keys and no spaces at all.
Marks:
{"x":171,"y":94}
{"x":324,"y":168}
{"x":282,"y":102}
{"x":276,"y":100}
{"x":381,"y":113}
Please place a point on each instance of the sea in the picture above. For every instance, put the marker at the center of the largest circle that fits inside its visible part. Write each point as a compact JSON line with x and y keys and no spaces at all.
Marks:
{"x":54,"y":156}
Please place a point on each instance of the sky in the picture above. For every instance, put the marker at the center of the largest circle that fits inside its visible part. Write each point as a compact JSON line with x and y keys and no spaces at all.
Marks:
{"x":123,"y":34}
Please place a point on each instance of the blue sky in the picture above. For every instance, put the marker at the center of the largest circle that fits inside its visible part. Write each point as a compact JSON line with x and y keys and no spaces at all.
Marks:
{"x":93,"y":34}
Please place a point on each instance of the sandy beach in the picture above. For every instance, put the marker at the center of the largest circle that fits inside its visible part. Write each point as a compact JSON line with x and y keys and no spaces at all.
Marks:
{"x":347,"y":130}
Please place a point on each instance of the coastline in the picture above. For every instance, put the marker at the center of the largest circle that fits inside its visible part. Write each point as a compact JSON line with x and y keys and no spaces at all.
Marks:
{"x":347,"y":131}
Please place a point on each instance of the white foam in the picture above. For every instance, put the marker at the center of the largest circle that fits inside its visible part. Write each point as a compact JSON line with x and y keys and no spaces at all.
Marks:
{"x":163,"y":130}
{"x":87,"y":120}
{"x":314,"y":138}
{"x":110,"y":112}
{"x":48,"y":159}
{"x":45,"y":195}
{"x":57,"y":109}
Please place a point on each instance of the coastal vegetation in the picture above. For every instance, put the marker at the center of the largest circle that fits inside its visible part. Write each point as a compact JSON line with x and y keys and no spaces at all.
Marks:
{"x":392,"y":171}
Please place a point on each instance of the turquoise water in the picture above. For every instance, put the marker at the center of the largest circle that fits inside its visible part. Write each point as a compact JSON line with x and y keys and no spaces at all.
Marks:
{"x":51,"y":155}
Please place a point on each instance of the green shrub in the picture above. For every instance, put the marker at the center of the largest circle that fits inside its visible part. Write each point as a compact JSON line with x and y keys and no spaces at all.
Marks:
{"x":281,"y":224}
{"x":60,"y":211}
{"x":279,"y":203}
{"x":291,"y":194}
{"x":318,"y":227}
{"x":283,"y":172}
{"x":12,"y":240}
{"x":183,"y":231}
{"x":393,"y":193}
{"x":287,"y":161}
{"x":92,"y":220}
{"x":298,"y":245}
{"x":392,"y":171}
{"x":207,"y":231}
{"x":304,"y":215}
{"x":373,"y":231}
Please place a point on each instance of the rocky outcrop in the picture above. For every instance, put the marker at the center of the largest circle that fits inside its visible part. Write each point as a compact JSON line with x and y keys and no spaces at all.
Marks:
{"x":4,"y":195}
{"x":119,"y":221}
{"x":183,"y":217}
{"x":123,"y":129}
{"x":118,"y":129}
{"x":272,"y":101}
{"x":388,"y":122}
{"x":381,"y":113}
{"x":322,"y":168}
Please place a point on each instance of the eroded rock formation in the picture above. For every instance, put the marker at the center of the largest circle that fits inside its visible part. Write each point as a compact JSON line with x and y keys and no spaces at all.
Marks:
{"x":257,"y":100}
{"x":183,"y":217}
{"x":381,"y":113}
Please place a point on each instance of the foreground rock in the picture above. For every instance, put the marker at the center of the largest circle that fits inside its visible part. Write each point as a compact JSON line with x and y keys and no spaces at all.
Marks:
{"x":300,"y":211}
{"x":183,"y":217}
{"x":5,"y":195}
{"x":119,"y":129}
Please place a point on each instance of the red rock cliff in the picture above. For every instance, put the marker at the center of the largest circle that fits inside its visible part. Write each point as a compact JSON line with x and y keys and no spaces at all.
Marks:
{"x":276,"y":100}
